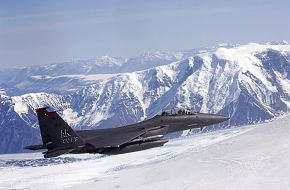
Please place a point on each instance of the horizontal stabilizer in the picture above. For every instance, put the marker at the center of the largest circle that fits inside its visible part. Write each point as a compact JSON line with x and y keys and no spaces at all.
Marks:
{"x":35,"y":147}
{"x":55,"y":153}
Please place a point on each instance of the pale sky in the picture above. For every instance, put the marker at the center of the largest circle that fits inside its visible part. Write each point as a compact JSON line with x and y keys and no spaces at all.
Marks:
{"x":34,"y":32}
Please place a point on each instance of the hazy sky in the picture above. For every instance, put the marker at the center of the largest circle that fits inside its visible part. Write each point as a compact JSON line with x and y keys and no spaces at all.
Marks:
{"x":41,"y":32}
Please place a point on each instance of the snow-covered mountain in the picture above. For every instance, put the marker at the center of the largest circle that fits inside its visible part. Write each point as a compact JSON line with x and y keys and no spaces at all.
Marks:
{"x":66,"y":77}
{"x":250,"y":83}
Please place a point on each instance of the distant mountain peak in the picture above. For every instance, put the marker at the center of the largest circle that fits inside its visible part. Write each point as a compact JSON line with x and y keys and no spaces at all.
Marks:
{"x":250,"y":83}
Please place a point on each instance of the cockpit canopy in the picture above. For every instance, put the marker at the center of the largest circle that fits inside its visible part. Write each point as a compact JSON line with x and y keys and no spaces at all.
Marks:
{"x":176,"y":111}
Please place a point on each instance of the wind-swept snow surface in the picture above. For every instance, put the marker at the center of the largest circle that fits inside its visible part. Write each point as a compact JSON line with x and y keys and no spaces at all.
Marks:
{"x":240,"y":158}
{"x":32,"y":171}
{"x":258,"y":159}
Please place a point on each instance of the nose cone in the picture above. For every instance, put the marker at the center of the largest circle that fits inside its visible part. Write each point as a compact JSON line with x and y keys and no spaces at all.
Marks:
{"x":220,"y":118}
{"x":211,"y":119}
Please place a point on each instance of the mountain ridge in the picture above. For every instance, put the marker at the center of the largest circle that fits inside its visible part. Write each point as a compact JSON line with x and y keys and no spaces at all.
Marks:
{"x":251,"y":80}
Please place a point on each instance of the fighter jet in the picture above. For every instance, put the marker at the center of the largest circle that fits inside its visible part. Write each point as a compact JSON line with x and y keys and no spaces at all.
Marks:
{"x":59,"y":138}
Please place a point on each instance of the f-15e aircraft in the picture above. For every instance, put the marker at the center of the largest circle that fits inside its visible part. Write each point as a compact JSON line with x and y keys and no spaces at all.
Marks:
{"x":59,"y":138}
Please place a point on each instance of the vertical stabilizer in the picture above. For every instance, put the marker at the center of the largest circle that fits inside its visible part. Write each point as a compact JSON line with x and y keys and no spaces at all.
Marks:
{"x":55,"y":132}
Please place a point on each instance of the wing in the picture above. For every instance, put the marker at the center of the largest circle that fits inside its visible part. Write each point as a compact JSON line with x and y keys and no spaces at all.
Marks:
{"x":114,"y":140}
{"x":35,"y":147}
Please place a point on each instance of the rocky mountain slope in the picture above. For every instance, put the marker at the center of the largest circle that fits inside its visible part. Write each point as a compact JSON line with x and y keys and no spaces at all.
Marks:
{"x":250,"y":83}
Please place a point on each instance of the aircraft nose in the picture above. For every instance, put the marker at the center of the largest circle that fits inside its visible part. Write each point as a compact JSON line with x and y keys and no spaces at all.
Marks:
{"x":213,"y":119}
{"x":220,"y":118}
